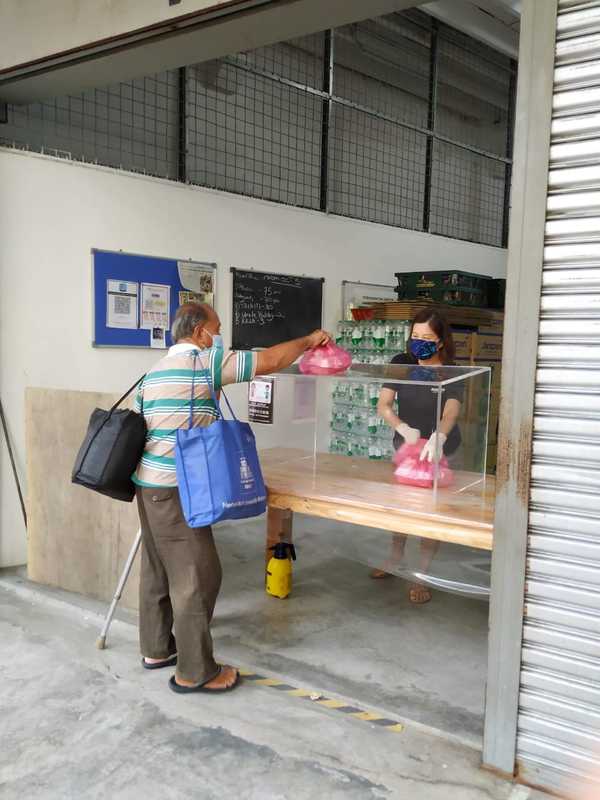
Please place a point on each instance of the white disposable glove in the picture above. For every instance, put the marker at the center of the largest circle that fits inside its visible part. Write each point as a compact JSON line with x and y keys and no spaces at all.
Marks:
{"x":410,"y":435}
{"x":434,"y":449}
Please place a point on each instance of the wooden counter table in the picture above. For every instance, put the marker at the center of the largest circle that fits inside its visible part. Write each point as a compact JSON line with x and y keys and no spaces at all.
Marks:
{"x":364,"y":492}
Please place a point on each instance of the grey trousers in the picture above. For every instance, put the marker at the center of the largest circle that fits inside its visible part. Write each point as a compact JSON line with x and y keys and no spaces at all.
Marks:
{"x":179,"y":583}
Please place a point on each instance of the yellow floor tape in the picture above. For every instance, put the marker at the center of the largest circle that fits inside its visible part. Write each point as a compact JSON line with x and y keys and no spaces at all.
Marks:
{"x":325,"y":702}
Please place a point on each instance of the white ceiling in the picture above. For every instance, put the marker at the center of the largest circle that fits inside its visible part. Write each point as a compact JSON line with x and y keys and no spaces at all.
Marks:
{"x":495,"y":22}
{"x":187,"y":41}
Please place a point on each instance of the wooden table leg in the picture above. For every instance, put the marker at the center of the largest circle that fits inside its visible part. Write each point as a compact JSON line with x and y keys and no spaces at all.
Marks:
{"x":279,"y":528}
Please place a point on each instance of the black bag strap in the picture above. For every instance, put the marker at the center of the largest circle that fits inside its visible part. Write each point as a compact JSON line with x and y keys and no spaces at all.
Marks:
{"x":92,"y":440}
{"x":127,"y":393}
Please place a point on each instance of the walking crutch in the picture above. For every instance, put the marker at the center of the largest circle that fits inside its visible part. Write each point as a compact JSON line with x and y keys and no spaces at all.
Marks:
{"x":12,"y":463}
{"x":101,"y":640}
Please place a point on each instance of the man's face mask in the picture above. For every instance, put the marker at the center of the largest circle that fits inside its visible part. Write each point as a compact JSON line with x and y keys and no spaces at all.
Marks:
{"x":423,"y":349}
{"x":216,"y":339}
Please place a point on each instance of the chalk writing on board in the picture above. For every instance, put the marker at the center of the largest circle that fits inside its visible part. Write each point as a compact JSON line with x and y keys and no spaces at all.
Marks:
{"x":253,"y":310}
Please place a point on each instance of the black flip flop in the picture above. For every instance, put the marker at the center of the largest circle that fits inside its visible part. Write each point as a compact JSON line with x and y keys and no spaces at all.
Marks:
{"x":174,"y":686}
{"x":168,"y":662}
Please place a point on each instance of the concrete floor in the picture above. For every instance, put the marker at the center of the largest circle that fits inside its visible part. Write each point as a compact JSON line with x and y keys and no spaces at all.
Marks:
{"x":82,"y":723}
{"x":344,"y":632}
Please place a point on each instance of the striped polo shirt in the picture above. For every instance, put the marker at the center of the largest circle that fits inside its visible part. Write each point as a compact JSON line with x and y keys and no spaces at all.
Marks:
{"x":164,"y":398}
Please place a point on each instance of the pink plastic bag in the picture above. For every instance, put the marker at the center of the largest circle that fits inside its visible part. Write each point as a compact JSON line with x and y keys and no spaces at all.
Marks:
{"x":411,"y":471}
{"x":326,"y":360}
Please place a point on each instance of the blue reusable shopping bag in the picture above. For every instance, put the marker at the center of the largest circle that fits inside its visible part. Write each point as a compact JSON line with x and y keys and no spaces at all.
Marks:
{"x":218,"y":471}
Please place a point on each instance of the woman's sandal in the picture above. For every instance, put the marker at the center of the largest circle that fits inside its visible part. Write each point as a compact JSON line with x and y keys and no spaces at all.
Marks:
{"x":386,"y":570}
{"x":378,"y":574}
{"x":419,"y":595}
{"x":202,"y":687}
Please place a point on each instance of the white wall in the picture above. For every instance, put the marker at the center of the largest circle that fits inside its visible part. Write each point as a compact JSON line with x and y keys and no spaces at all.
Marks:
{"x":53,"y":212}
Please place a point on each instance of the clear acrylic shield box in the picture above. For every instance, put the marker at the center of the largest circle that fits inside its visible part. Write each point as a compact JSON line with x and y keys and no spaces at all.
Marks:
{"x":335,"y":420}
{"x":329,"y":455}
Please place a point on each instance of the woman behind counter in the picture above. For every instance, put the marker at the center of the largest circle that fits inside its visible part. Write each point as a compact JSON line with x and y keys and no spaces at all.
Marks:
{"x":411,"y":414}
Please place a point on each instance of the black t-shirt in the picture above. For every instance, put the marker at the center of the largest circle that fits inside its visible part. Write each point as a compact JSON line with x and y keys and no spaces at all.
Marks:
{"x":418,"y":406}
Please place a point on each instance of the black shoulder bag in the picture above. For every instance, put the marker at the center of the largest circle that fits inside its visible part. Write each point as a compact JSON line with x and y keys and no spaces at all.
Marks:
{"x":111,"y":450}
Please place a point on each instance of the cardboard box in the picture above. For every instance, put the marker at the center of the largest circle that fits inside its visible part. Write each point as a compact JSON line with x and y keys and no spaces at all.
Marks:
{"x":493,"y":426}
{"x":495,"y":377}
{"x":471,"y":413}
{"x":494,"y":327}
{"x":492,"y":459}
{"x":463,"y":344}
{"x":495,"y":399}
{"x":487,"y":346}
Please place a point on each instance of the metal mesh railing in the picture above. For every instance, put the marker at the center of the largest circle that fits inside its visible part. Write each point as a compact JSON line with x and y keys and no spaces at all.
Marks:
{"x":131,"y":125}
{"x":467,"y":194}
{"x":396,"y":120}
{"x":378,"y":169}
{"x":252,"y":135}
{"x":383,"y":65}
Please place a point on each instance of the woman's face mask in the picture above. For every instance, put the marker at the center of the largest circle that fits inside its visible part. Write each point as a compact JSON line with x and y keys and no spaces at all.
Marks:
{"x":423,"y":349}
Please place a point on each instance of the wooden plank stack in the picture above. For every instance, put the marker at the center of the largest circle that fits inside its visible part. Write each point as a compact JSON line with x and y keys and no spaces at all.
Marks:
{"x":482,"y":320}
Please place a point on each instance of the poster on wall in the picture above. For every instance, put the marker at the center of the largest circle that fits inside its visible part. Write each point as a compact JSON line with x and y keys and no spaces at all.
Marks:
{"x":121,"y":304}
{"x":198,"y":281}
{"x":155,"y":310}
{"x":356,"y":294}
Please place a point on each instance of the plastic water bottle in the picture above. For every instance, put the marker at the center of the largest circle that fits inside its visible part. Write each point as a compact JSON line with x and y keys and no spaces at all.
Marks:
{"x":389,"y":337}
{"x":358,"y":394}
{"x":374,"y":451}
{"x":373,"y":395}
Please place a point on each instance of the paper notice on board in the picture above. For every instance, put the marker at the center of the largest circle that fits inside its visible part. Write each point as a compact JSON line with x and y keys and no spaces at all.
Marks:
{"x":198,"y":280}
{"x":156,"y":304}
{"x":121,"y":304}
{"x":157,"y":338}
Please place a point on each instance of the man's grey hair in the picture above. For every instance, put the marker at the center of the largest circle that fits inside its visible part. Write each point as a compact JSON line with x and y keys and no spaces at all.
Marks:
{"x":187,"y":318}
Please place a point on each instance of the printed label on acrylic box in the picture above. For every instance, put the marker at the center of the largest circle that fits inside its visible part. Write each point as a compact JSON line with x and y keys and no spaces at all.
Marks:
{"x":260,"y":400}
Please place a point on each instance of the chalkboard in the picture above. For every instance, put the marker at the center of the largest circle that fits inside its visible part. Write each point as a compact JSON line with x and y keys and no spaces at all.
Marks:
{"x":270,"y":308}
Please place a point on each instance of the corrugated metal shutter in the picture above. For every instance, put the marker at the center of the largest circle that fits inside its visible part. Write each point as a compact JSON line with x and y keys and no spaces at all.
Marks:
{"x":559,"y":713}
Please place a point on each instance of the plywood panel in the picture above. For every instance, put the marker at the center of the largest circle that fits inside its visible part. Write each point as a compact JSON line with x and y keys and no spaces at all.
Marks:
{"x":77,"y":539}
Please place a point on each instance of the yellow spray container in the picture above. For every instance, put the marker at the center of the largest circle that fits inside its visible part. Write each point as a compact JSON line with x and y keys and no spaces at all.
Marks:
{"x":279,"y":570}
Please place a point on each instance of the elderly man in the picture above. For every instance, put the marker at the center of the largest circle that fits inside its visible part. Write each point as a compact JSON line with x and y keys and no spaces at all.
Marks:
{"x":181,"y":571}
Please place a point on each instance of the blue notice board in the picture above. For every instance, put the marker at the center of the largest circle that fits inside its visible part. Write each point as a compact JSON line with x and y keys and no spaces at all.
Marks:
{"x":123,"y":280}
